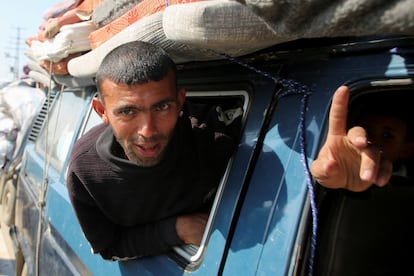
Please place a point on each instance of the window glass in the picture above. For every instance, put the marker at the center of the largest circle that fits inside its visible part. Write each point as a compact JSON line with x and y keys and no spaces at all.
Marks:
{"x":58,"y":131}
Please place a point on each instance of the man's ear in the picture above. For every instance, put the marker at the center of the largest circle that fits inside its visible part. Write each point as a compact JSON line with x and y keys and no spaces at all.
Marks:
{"x":181,"y":97}
{"x":99,"y":108}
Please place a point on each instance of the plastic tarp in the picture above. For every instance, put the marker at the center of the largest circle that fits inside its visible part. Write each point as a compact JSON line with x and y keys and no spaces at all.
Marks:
{"x":18,"y":106}
{"x":8,"y":135}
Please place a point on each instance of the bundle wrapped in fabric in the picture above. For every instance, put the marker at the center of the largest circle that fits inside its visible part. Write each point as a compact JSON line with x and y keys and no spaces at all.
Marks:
{"x":224,"y":26}
{"x":109,"y":10}
{"x":149,"y":29}
{"x":190,"y":31}
{"x":139,"y":11}
{"x":60,"y":67}
{"x":321,"y":18}
{"x":72,"y":38}
{"x":7,"y":139}
{"x":18,"y":105}
{"x":197,"y":30}
{"x":22,"y":102}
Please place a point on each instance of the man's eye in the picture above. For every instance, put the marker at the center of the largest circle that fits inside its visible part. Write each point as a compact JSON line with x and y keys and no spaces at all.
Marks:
{"x":387,"y":135}
{"x":163,"y":107}
{"x":126,"y":112}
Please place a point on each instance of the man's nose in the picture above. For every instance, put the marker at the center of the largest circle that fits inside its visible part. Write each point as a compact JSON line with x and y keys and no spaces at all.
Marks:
{"x":147,"y":126}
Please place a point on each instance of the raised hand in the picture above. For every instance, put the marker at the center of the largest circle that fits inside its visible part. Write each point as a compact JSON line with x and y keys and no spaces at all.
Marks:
{"x":347,"y":159}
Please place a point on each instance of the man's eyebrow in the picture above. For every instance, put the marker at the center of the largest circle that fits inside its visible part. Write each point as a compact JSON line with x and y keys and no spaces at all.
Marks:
{"x":126,"y":106}
{"x":164,"y":101}
{"x":155,"y":105}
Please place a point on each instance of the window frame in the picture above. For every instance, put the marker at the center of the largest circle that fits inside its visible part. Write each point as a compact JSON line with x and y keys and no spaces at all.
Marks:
{"x":193,"y":255}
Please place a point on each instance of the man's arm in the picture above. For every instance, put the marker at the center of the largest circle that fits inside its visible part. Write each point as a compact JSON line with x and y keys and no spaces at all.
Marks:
{"x":347,"y":159}
{"x":113,"y":241}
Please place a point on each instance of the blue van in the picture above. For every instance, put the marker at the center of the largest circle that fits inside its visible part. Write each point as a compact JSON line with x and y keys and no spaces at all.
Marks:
{"x":269,"y":217}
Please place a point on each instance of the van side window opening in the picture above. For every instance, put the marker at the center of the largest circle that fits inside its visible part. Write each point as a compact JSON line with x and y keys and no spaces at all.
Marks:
{"x":372,"y":229}
{"x":231,"y":107}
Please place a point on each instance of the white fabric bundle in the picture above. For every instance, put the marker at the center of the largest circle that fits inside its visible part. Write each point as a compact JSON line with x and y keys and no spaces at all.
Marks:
{"x":72,"y":38}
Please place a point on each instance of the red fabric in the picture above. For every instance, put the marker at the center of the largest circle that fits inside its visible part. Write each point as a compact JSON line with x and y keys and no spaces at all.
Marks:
{"x":142,"y":9}
{"x":87,"y":6}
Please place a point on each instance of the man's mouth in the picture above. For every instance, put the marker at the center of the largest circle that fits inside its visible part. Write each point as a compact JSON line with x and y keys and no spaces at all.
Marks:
{"x":148,"y":150}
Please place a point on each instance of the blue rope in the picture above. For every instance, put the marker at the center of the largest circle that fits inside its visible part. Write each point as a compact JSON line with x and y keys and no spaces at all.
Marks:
{"x":293,"y":87}
{"x":308,"y":182}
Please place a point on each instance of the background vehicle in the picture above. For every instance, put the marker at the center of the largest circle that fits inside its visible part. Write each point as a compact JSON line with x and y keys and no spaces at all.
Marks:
{"x":263,"y":220}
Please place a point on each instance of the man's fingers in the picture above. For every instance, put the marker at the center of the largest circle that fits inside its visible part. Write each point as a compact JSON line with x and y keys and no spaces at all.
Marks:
{"x":385,"y":172}
{"x":358,"y":137}
{"x":326,"y":172}
{"x":338,"y":112}
{"x":370,"y":163}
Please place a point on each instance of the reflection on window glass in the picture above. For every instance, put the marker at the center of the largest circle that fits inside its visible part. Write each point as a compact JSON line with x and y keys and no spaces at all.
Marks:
{"x":57,"y":134}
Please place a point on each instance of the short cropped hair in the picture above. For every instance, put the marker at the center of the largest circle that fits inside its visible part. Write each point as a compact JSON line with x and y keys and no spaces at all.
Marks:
{"x":136,"y":62}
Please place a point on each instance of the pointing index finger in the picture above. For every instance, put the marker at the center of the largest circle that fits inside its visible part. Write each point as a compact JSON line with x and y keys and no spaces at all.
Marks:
{"x":338,"y":112}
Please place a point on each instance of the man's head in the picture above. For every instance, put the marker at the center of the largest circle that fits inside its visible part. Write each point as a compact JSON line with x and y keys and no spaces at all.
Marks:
{"x":134,"y":63}
{"x":386,"y":118}
{"x":139,"y":98}
{"x":390,"y":134}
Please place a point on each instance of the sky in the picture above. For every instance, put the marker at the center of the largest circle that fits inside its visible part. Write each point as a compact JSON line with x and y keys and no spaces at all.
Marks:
{"x":19,"y":19}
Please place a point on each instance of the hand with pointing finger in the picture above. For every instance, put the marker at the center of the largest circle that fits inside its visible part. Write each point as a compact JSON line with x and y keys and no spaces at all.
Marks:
{"x":347,"y":160}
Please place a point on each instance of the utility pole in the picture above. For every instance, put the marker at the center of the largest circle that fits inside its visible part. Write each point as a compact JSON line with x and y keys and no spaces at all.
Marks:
{"x":16,"y":57}
{"x":17,"y":54}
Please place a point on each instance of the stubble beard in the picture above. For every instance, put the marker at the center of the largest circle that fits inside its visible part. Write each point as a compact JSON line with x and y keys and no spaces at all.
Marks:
{"x":145,"y":162}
